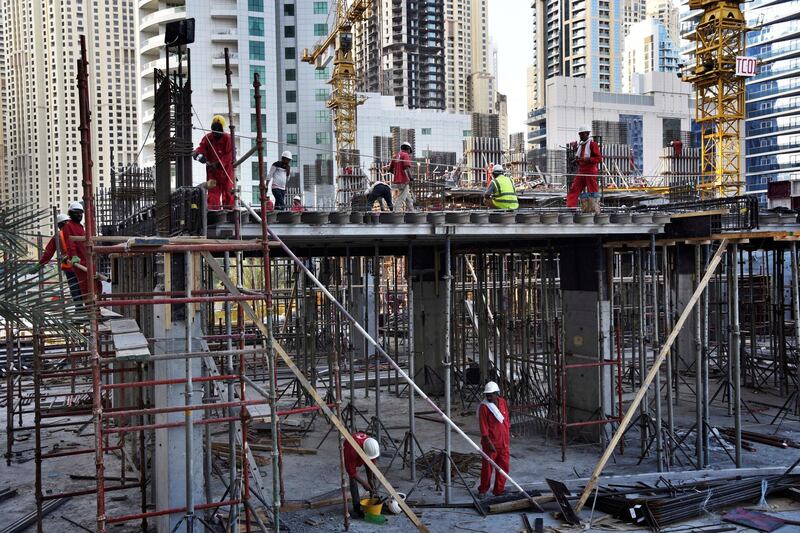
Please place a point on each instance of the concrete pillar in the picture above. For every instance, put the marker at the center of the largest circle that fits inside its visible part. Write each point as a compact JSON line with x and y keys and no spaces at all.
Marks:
{"x":169,"y":456}
{"x":587,"y":338}
{"x":683,"y":293}
{"x":363,"y":306}
{"x":428,"y":315}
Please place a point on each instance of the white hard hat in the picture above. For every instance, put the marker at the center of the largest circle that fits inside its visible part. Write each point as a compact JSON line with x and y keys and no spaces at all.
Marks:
{"x":61,"y":218}
{"x":491,"y":387}
{"x":287,"y":154}
{"x":372,"y":448}
{"x":406,"y":144}
{"x":76,"y":206}
{"x":498,"y":169}
{"x":584,"y":127}
{"x":297,"y":198}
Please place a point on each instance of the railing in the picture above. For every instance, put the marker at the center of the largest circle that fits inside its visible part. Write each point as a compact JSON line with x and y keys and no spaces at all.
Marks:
{"x":740,"y":213}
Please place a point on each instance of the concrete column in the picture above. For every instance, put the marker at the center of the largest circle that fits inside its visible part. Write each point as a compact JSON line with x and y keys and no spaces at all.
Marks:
{"x":363,"y":304}
{"x":428,"y":316}
{"x":682,"y":294}
{"x":587,"y":337}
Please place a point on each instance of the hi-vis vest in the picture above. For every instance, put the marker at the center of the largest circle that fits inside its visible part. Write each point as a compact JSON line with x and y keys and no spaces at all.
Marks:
{"x":65,"y":259}
{"x":503,"y":194}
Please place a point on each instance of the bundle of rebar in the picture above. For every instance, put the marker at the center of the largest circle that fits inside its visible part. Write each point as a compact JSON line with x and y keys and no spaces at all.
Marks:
{"x":432,"y":464}
{"x":689,"y":500}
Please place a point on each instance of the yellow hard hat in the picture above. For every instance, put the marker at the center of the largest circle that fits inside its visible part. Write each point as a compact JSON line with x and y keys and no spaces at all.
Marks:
{"x":218,"y":119}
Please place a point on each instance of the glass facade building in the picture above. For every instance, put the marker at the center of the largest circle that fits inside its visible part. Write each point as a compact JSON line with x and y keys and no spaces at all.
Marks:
{"x":772,"y":126}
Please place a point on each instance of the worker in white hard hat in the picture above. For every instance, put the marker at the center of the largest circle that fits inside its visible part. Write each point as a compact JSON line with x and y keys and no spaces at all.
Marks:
{"x":74,"y":264}
{"x":352,"y":461}
{"x":584,"y":183}
{"x":501,"y":194}
{"x":297,"y":205}
{"x":278,"y":175}
{"x":216,"y":153}
{"x":495,"y":426}
{"x":400,"y":167}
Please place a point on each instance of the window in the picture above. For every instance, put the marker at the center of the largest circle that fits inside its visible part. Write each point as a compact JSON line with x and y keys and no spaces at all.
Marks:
{"x":322,"y":95}
{"x":255,"y":5}
{"x":466,"y":133}
{"x":291,"y":138}
{"x":288,"y":10}
{"x":321,"y":74}
{"x":288,"y":32}
{"x":291,"y":117}
{"x":290,"y":74}
{"x":254,"y":123}
{"x":254,"y":174}
{"x":255,"y":26}
{"x":291,"y":97}
{"x":426,"y":131}
{"x":260,"y":70}
{"x":320,"y":8}
{"x":323,"y":137}
{"x":323,"y":116}
{"x":257,"y":50}
{"x":289,"y":53}
{"x":320,"y":30}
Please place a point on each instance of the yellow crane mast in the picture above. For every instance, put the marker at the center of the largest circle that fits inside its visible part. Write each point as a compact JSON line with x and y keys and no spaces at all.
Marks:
{"x":343,"y":100}
{"x":719,"y":94}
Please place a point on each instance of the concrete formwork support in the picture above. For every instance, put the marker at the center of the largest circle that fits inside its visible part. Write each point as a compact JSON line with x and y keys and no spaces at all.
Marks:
{"x":682,"y":293}
{"x":428,"y":317}
{"x":363,"y":298}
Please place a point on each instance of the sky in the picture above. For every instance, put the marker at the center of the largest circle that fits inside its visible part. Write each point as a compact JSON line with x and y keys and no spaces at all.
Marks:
{"x":511,"y":29}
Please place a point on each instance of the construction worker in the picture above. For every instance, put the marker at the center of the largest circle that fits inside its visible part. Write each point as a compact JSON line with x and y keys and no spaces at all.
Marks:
{"x":216,"y":152}
{"x":351,"y":463}
{"x":501,"y":194}
{"x":66,"y":264}
{"x":584,"y":185}
{"x":278,"y":175}
{"x":400,"y":167}
{"x":297,"y":205}
{"x":380,"y":192}
{"x":495,"y":426}
{"x":75,"y":256}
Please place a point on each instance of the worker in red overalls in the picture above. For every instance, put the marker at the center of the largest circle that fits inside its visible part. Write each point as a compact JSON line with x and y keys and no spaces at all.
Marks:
{"x":584,"y":185}
{"x":75,"y":257}
{"x":216,"y":152}
{"x":50,"y":248}
{"x":495,"y":426}
{"x":351,"y":463}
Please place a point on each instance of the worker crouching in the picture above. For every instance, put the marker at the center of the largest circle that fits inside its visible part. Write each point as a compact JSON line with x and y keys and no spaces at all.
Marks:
{"x":352,"y":461}
{"x":501,"y":193}
{"x":495,"y":426}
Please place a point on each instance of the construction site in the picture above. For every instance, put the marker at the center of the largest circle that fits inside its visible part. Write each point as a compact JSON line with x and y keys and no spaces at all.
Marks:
{"x":214,"y":377}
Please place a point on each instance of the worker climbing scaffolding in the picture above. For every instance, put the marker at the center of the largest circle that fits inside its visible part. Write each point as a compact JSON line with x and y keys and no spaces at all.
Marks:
{"x":215,"y":152}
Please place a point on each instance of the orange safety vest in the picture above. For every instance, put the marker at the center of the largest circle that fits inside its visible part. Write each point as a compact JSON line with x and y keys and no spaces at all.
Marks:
{"x":65,"y":262}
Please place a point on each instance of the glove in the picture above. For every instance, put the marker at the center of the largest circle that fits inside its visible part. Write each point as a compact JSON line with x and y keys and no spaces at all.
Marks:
{"x":75,"y":259}
{"x":200,"y":158}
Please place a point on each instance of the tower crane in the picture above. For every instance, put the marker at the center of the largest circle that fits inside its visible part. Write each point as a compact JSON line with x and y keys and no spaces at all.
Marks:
{"x":343,"y":100}
{"x":719,"y":94}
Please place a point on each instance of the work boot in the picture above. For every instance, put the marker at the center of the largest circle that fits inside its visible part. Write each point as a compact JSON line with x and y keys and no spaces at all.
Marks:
{"x":586,"y":205}
{"x":594,"y":205}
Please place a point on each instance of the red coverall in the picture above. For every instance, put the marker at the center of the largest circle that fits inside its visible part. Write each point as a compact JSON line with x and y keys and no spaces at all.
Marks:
{"x":76,"y":248}
{"x":50,"y":250}
{"x":400,"y":163}
{"x":587,"y":173}
{"x":351,"y":463}
{"x":498,"y":434}
{"x":218,"y":150}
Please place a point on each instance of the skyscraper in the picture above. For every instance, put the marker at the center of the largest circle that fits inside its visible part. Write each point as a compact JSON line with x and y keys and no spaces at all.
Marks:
{"x":578,"y":39}
{"x":648,"y":48}
{"x":772,"y":125}
{"x":42,"y":163}
{"x":400,"y":52}
{"x":262,"y":37}
{"x":667,"y":12}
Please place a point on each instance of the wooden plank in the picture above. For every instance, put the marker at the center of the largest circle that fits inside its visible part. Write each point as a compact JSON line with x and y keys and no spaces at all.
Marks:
{"x":220,"y":273}
{"x":662,"y":355}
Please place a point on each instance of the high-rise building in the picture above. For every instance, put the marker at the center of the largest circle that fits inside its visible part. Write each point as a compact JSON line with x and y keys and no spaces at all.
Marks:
{"x":458,"y":55}
{"x":262,"y":37}
{"x":648,"y":48}
{"x":501,"y":105}
{"x":4,"y":189}
{"x":42,"y":162}
{"x":400,"y":52}
{"x":772,"y":124}
{"x":667,"y":12}
{"x":633,"y":12}
{"x":579,"y":40}
{"x":482,"y":83}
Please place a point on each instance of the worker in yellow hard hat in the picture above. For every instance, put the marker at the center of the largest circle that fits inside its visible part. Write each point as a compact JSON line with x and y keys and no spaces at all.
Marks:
{"x":216,"y":152}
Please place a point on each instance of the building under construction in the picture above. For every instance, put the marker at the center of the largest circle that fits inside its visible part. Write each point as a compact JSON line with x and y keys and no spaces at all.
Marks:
{"x":648,"y":355}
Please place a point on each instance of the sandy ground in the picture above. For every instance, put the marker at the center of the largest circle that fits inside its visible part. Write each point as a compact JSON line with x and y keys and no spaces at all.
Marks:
{"x":534,"y":457}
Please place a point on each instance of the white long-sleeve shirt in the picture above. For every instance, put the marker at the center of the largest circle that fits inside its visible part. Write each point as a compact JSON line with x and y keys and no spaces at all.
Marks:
{"x":278,"y":176}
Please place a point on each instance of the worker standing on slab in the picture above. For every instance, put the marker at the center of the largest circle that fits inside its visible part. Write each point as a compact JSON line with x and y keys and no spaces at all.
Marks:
{"x":351,"y":463}
{"x":584,"y":185}
{"x":278,"y":175}
{"x":400,"y":167}
{"x":501,"y":193}
{"x":380,"y":192}
{"x":216,"y":153}
{"x":495,"y":426}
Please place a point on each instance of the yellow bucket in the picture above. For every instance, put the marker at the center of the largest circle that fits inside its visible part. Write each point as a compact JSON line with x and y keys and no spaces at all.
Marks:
{"x":371,"y":506}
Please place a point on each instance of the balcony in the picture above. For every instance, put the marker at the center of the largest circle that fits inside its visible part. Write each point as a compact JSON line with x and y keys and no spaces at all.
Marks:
{"x":153,"y":44}
{"x":777,"y":148}
{"x":772,"y":111}
{"x":225,"y":36}
{"x":162,"y":16}
{"x":224,"y":12}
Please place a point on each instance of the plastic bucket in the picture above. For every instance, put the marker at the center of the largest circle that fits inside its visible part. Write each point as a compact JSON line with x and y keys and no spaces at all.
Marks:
{"x":371,"y":506}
